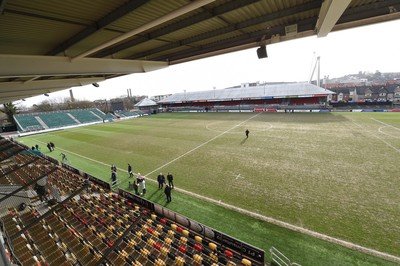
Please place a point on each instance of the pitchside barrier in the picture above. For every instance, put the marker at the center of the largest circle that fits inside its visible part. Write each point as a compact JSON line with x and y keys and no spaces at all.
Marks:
{"x":224,"y":242}
{"x":275,"y":110}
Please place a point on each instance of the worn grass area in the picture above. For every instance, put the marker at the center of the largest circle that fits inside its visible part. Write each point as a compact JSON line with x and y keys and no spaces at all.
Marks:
{"x":334,"y":173}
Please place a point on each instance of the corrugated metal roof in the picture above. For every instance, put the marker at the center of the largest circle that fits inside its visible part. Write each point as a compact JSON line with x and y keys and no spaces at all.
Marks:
{"x":262,"y":91}
{"x":146,"y":102}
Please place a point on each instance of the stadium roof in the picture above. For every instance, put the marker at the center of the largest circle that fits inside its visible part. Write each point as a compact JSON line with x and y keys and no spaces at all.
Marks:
{"x":146,"y":102}
{"x":47,"y":46}
{"x":262,"y":91}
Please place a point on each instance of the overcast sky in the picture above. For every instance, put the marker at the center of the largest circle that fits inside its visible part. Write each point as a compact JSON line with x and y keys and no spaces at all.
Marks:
{"x":367,"y":48}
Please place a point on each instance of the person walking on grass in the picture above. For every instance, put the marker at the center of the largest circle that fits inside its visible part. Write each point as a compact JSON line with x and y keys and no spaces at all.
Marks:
{"x":63,"y":157}
{"x":130,"y":171}
{"x":247,"y":133}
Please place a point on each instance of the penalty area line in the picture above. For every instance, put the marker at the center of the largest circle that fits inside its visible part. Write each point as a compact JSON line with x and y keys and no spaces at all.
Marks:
{"x":383,"y":123}
{"x":375,"y":136}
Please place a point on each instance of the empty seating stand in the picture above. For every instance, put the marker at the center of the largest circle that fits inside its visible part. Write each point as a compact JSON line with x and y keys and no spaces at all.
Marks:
{"x":85,"y":116}
{"x":58,"y":119}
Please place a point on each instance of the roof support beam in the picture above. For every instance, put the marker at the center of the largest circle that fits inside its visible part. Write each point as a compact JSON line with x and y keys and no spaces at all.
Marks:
{"x":14,"y":90}
{"x":206,"y":14}
{"x":230,"y":28}
{"x":375,"y":13}
{"x":329,"y":14}
{"x":2,"y":6}
{"x":46,"y":85}
{"x":174,"y":14}
{"x":244,"y":42}
{"x":33,"y":66}
{"x":102,"y":23}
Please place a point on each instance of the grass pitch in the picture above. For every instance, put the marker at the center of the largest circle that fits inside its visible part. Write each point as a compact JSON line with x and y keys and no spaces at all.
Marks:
{"x":333,"y":173}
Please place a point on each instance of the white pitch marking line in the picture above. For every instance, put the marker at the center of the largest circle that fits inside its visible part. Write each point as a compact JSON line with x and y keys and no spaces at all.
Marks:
{"x":79,"y":155}
{"x":239,"y":176}
{"x":387,"y":143}
{"x":201,"y":145}
{"x":387,"y":134}
{"x":385,"y":123}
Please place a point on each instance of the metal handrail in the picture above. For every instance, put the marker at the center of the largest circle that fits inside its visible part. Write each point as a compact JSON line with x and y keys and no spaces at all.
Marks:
{"x":280,"y":259}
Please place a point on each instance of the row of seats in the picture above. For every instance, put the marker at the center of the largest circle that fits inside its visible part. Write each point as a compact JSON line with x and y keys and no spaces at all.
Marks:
{"x":28,"y":122}
{"x":191,"y":239}
{"x":192,"y":243}
{"x":38,"y":121}
{"x":85,"y":116}
{"x":9,"y":151}
{"x":12,"y":173}
{"x":66,"y":181}
{"x":34,"y":246}
{"x":98,"y":222}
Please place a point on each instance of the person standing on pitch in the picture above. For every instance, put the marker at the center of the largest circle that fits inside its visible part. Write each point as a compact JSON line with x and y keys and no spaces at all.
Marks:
{"x":167,"y":192}
{"x":143,"y":186}
{"x":247,"y":133}
{"x":161,"y":180}
{"x":135,"y":187}
{"x":170,"y":179}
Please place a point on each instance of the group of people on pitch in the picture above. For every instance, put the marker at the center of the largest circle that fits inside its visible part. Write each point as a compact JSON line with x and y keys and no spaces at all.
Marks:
{"x":168,"y":187}
{"x":140,"y":183}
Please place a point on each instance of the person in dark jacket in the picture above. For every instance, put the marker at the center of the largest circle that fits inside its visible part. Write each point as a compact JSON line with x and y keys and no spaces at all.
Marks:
{"x":167,"y":192}
{"x":161,"y":180}
{"x":135,"y":188}
{"x":130,"y":170}
{"x":170,"y":179}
